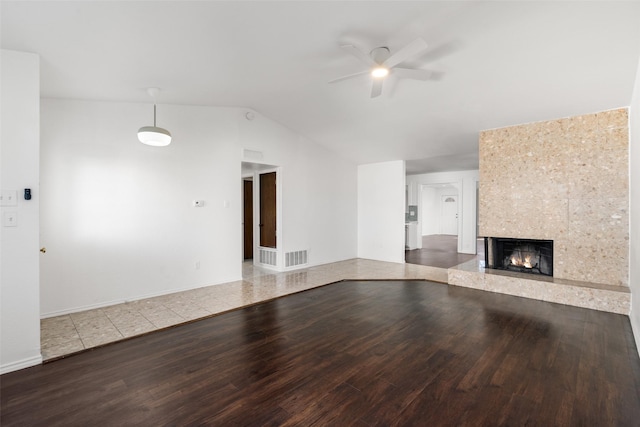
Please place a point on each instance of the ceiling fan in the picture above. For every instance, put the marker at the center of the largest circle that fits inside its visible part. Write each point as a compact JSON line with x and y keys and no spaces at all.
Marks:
{"x":382,"y":63}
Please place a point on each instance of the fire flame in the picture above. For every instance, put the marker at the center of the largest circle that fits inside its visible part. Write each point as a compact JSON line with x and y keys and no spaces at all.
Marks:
{"x":517,"y":261}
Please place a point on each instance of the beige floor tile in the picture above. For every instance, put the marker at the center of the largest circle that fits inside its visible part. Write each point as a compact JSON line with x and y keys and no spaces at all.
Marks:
{"x":137,"y":328}
{"x":114,"y":310}
{"x":163,"y":318}
{"x":188,"y":311}
{"x":88,"y":314}
{"x":105,"y":337}
{"x":131,"y":323}
{"x":154,"y":303}
{"x":59,"y":346}
{"x":97,"y":331}
{"x":57,"y":326}
{"x":209,"y":303}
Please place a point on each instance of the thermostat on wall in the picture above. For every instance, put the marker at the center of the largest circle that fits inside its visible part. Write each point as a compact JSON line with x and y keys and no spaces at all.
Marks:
{"x":198,"y":203}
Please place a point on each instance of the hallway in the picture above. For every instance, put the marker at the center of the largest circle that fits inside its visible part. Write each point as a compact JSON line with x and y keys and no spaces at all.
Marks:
{"x":440,"y":250}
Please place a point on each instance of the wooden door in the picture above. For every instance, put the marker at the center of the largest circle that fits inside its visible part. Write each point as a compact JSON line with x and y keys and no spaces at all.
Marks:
{"x":248,"y":218}
{"x":268,"y":210}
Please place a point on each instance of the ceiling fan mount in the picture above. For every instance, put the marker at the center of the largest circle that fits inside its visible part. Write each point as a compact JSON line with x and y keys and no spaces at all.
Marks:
{"x":382,"y":62}
{"x":380,"y":54}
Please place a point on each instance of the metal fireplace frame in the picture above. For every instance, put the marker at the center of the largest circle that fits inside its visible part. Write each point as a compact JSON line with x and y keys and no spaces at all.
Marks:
{"x":495,"y":259}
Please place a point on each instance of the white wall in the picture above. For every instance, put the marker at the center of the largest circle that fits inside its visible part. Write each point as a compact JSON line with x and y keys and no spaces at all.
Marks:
{"x":466,"y":183}
{"x":19,"y":291}
{"x":117,"y":216}
{"x":428,"y":214}
{"x":634,"y":211}
{"x":381,"y":216}
{"x":319,"y":206}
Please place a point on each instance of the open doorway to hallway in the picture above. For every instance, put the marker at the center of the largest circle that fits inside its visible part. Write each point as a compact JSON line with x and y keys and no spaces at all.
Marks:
{"x":437,"y":241}
{"x":439,"y":209}
{"x":260,"y":216}
{"x":441,"y":250}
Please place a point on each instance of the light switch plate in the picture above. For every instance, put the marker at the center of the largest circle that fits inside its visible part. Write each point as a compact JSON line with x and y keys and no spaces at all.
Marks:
{"x":10,"y":219}
{"x":9,"y":198}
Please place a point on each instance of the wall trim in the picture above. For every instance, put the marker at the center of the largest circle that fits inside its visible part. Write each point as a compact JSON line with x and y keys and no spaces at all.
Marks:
{"x":21,"y":364}
{"x":635,"y":326}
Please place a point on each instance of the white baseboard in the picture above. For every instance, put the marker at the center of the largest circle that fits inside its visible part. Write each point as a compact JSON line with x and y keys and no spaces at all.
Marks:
{"x":21,"y":364}
{"x":81,"y":308}
{"x":635,"y":327}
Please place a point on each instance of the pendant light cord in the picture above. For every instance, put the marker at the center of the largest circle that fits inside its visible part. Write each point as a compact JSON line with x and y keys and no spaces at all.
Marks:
{"x":154,"y":115}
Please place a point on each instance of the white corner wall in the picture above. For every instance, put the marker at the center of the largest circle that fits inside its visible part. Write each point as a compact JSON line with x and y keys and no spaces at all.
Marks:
{"x":117,"y":216}
{"x":466,"y":182}
{"x":428,"y":211}
{"x":634,"y":209}
{"x":19,"y":248}
{"x":381,"y":206}
{"x":319,"y":200}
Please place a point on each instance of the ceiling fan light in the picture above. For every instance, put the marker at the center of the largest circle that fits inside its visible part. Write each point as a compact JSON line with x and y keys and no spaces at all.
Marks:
{"x":154,"y":136}
{"x":380,"y":72}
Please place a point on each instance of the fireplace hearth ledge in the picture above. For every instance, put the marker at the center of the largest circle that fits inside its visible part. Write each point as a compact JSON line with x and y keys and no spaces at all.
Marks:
{"x":595,"y":296}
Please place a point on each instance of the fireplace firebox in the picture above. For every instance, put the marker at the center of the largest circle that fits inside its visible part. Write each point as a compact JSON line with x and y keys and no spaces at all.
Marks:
{"x":521,"y":255}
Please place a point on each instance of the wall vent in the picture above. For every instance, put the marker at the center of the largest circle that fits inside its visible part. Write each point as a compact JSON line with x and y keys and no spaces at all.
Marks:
{"x":295,"y":258}
{"x":268,"y":256}
{"x":252,"y":154}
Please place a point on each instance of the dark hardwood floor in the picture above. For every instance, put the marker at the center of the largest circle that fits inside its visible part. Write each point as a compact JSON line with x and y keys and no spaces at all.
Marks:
{"x":351,"y":353}
{"x":441,"y":250}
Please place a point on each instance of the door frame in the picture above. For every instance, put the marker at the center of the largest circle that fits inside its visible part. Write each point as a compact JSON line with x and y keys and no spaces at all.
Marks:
{"x":256,"y":212}
{"x":279,"y":250}
{"x":267,"y":224}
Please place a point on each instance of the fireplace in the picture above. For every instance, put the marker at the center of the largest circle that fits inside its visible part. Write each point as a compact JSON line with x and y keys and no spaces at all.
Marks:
{"x":521,"y":255}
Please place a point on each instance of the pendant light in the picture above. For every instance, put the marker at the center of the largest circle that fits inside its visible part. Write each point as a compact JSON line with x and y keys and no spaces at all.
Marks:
{"x":153,"y":135}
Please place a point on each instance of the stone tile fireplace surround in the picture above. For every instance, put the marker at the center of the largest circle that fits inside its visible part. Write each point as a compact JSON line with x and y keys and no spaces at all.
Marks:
{"x":563,"y":180}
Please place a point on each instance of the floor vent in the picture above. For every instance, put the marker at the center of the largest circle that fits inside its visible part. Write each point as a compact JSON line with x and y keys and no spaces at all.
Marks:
{"x":268,"y":256}
{"x":295,"y":258}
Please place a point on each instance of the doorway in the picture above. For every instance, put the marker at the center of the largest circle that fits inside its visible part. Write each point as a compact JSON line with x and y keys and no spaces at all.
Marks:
{"x":261,"y":215}
{"x":438,"y":226}
{"x":438,"y":209}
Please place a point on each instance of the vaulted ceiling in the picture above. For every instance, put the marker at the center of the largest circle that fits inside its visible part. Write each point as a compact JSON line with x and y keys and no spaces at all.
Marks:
{"x":495,"y":64}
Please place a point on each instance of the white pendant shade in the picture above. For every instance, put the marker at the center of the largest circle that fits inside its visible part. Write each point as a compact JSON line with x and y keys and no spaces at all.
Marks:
{"x":155,"y":136}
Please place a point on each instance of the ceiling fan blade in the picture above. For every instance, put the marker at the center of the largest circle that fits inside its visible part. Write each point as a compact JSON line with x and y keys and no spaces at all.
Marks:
{"x":409,"y":51}
{"x":376,"y":87}
{"x":412,"y":73}
{"x":349,"y":76}
{"x":359,"y":54}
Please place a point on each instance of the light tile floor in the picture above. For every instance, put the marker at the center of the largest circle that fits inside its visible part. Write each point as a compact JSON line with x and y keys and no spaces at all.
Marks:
{"x":64,"y":335}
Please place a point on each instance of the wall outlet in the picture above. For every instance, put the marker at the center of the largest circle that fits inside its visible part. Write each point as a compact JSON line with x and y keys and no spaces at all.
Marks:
{"x":197,"y":264}
{"x":9,"y":198}
{"x":10,"y":219}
